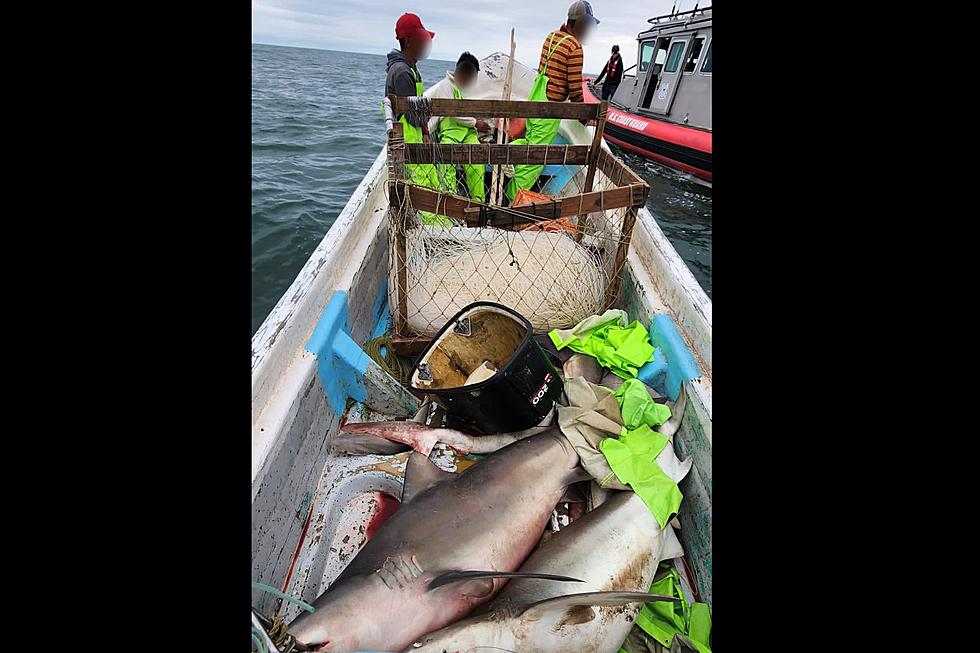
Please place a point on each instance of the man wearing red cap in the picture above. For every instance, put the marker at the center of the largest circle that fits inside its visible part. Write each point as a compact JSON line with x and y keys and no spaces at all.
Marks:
{"x":404,"y":79}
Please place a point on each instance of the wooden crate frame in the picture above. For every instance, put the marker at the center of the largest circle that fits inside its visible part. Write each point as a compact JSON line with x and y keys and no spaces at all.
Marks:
{"x":630,"y":192}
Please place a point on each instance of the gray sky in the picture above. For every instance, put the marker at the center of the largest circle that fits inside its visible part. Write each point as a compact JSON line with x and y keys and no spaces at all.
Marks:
{"x":480,"y":26}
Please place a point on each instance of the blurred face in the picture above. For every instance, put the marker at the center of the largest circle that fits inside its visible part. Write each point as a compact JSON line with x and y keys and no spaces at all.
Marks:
{"x":465,"y":77}
{"x":585,"y":29}
{"x":419,"y":45}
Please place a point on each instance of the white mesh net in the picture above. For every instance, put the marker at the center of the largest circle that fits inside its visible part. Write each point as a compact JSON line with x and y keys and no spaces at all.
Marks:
{"x":541,"y":271}
{"x":555,"y":271}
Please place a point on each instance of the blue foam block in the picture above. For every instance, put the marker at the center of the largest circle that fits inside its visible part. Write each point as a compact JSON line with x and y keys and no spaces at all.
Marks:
{"x":341,"y":363}
{"x":673,"y":362}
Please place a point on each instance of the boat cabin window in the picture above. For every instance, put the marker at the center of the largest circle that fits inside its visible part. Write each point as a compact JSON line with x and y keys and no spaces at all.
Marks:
{"x":706,"y":66}
{"x":692,"y":60}
{"x":674,"y":58}
{"x":646,"y":54}
{"x":658,"y":63}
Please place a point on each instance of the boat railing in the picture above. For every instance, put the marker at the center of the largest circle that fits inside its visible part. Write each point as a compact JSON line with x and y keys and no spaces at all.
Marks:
{"x":674,"y":16}
{"x":613,"y":206}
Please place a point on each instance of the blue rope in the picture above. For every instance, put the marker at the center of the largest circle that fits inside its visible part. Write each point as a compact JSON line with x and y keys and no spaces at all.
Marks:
{"x":259,"y":642}
{"x":272,"y":590}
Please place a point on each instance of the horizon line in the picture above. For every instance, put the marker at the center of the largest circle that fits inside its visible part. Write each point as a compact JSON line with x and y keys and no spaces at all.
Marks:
{"x":373,"y":54}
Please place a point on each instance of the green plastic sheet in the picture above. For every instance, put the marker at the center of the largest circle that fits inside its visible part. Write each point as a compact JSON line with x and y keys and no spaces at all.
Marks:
{"x":620,"y":345}
{"x":638,"y":407}
{"x":662,"y":620}
{"x":633,"y":458}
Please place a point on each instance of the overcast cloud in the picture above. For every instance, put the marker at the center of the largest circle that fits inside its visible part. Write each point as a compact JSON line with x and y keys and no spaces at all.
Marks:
{"x":480,"y":26}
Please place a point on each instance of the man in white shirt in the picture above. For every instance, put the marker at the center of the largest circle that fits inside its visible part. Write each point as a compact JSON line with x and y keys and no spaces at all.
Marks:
{"x":459,"y":129}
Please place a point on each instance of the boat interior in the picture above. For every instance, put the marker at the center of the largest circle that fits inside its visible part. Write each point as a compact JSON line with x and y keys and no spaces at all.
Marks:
{"x":314,"y":508}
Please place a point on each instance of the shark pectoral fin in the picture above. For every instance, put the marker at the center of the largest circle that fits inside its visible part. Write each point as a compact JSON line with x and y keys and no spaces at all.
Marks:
{"x":563,"y":608}
{"x":477,"y":588}
{"x":669,"y":428}
{"x":361,"y":443}
{"x":420,"y":474}
{"x":460,"y":576}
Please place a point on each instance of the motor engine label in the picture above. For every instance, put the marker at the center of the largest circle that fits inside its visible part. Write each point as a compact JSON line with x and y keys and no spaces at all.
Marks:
{"x":543,"y":390}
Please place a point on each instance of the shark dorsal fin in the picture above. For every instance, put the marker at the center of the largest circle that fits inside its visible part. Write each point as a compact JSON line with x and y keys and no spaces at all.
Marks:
{"x":420,"y":474}
{"x":565,"y":609}
{"x":459,"y":576}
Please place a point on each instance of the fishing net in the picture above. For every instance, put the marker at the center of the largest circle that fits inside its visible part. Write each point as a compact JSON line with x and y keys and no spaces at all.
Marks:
{"x":555,"y":271}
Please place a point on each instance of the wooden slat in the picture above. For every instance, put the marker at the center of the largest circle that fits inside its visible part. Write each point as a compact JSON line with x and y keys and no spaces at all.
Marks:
{"x":408,"y":346}
{"x":618,"y":172}
{"x":496,"y":154}
{"x":612,"y":291}
{"x":593,"y":159}
{"x":501,"y":108}
{"x":454,"y":206}
{"x":396,"y":157}
{"x":503,"y":126}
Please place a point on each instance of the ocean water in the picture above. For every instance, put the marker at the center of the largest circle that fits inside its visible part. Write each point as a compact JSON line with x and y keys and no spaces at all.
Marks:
{"x":316,"y":130}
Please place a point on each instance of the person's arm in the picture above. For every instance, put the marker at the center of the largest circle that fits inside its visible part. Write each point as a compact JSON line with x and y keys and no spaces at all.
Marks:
{"x":404,"y":85}
{"x":575,"y":75}
{"x":602,"y":74}
{"x":438,"y":91}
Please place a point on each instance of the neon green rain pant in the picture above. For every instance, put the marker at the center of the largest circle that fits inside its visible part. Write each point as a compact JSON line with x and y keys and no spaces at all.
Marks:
{"x":539,"y":131}
{"x":424,"y":175}
{"x":622,"y":347}
{"x":662,"y":620}
{"x":473,"y":173}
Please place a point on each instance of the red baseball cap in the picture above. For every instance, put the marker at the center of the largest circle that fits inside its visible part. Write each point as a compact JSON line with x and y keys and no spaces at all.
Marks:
{"x":411,"y":25}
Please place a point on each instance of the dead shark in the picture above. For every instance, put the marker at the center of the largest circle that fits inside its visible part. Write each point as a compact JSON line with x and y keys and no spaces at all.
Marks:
{"x":407,"y":579}
{"x":397,"y":436}
{"x":615,"y":549}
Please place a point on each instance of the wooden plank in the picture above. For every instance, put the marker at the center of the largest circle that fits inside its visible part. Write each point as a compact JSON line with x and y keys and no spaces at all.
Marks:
{"x":396,"y":157}
{"x":612,"y":291}
{"x":594,"y":151}
{"x":500,"y":108}
{"x":409,"y":346}
{"x":503,"y":125}
{"x":618,"y":172}
{"x":496,"y":154}
{"x":461,"y":208}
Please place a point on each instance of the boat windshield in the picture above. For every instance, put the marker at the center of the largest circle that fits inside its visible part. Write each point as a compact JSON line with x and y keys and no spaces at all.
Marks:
{"x":692,"y":61}
{"x":674,"y":60}
{"x":646,"y":54}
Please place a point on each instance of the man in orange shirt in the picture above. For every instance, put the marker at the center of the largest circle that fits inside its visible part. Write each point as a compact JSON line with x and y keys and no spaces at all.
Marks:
{"x":559,"y":79}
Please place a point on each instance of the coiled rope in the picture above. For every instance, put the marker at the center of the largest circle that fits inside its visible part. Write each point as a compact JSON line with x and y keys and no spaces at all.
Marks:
{"x":381,"y":351}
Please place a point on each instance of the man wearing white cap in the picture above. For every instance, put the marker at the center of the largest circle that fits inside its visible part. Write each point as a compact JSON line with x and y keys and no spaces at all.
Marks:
{"x":559,"y":79}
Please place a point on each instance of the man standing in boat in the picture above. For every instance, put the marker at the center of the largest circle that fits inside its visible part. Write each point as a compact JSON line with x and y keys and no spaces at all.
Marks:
{"x":613,"y":72}
{"x":559,"y":79}
{"x":459,"y":129}
{"x":404,"y":79}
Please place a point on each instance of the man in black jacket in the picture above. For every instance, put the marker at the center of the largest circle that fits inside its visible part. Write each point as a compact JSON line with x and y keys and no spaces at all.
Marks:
{"x":613,"y":72}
